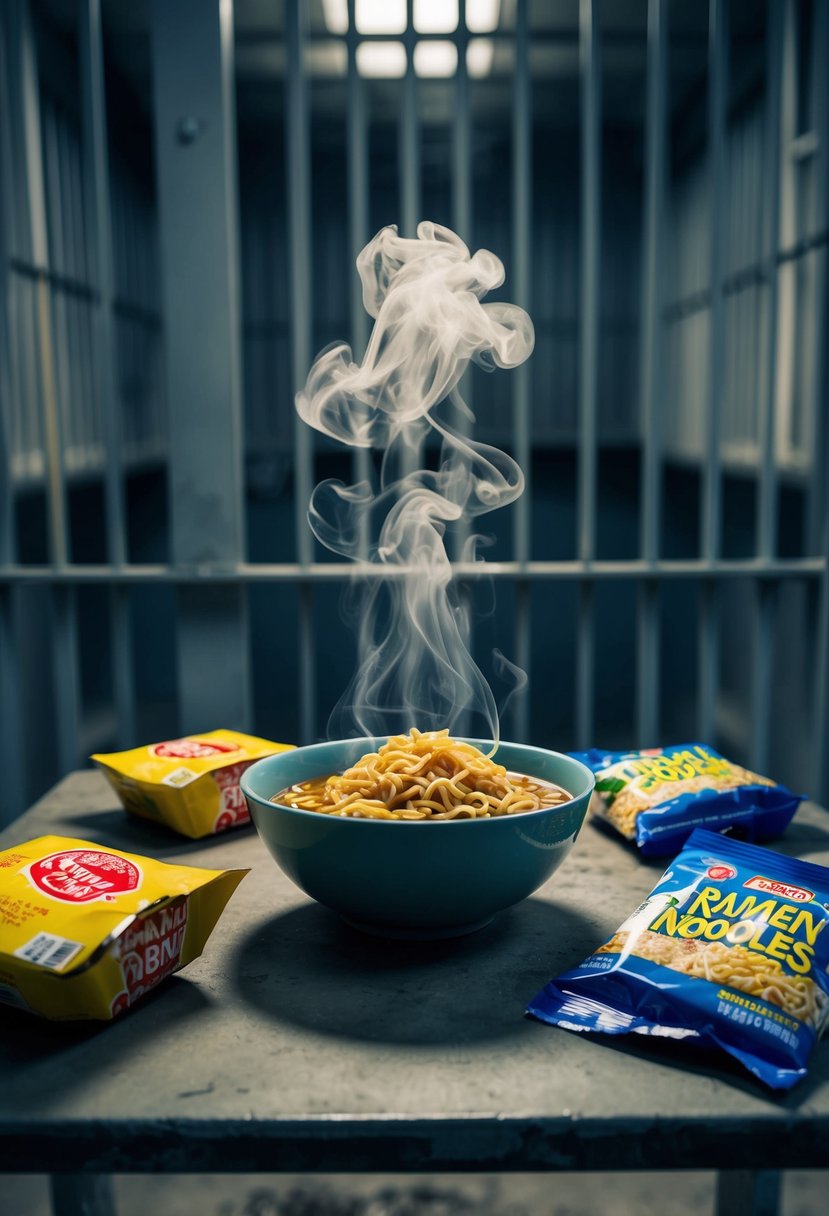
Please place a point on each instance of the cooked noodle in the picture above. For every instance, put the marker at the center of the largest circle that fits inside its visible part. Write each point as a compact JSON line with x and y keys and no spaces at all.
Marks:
{"x":423,"y":776}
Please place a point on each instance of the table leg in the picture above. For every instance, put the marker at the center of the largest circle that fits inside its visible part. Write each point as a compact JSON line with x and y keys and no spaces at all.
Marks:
{"x":82,"y":1195}
{"x":748,"y":1193}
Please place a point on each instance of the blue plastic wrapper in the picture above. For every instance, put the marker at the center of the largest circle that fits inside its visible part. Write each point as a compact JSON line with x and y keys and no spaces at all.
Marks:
{"x":730,"y":949}
{"x":657,"y":797}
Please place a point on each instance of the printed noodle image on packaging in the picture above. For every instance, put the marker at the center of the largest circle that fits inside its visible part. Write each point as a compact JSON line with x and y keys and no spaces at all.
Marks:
{"x":189,"y":784}
{"x":658,"y":796}
{"x":86,"y":930}
{"x":730,"y":949}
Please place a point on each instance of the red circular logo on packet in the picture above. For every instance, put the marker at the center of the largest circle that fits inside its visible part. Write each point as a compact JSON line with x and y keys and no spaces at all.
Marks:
{"x":190,"y":749}
{"x":79,"y":876}
{"x":720,"y":872}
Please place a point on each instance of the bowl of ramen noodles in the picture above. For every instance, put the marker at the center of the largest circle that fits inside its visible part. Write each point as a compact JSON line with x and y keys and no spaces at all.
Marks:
{"x":419,"y":835}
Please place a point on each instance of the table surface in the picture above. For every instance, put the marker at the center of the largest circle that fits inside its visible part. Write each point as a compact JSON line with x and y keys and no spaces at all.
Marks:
{"x":297,"y":1043}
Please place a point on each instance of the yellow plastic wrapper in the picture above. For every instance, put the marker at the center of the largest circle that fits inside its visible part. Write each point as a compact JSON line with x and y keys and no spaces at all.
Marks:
{"x":190,"y":784}
{"x":86,"y":930}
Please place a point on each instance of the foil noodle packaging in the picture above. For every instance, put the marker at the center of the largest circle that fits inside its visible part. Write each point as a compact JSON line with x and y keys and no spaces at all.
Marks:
{"x":86,"y":930}
{"x":657,"y":797}
{"x":730,"y":950}
{"x":190,"y":784}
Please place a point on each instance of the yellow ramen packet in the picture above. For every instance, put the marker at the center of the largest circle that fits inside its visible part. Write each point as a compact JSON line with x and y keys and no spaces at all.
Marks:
{"x":86,"y":930}
{"x":190,"y":784}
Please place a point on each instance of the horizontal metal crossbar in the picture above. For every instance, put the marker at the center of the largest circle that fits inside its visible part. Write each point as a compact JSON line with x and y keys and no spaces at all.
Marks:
{"x":333,"y":572}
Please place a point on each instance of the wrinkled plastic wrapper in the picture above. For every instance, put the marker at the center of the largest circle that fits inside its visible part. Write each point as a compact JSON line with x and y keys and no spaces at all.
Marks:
{"x":656,"y":798}
{"x":729,"y":950}
{"x":190,"y":784}
{"x":86,"y":930}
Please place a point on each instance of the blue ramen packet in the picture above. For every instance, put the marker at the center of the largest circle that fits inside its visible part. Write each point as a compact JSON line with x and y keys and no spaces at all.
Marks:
{"x":730,"y":949}
{"x":657,"y":797}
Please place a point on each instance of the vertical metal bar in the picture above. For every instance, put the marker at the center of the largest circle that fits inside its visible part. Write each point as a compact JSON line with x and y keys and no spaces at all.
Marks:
{"x":650,"y":432}
{"x":11,"y":751}
{"x":195,"y":145}
{"x":64,"y":634}
{"x":358,"y":221}
{"x":818,"y":538}
{"x":591,"y":185}
{"x":100,"y":210}
{"x":522,"y":134}
{"x":711,"y":503}
{"x":462,"y":205}
{"x":299,"y":206}
{"x":409,"y":150}
{"x":765,"y":592}
{"x":818,"y":406}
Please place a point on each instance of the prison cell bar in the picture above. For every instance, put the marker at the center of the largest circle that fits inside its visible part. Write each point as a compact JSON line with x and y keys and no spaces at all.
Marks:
{"x":711,"y":497}
{"x":409,"y":178}
{"x":63,"y":602}
{"x":651,"y":364}
{"x":522,"y":220}
{"x":591,"y":214}
{"x":818,"y":531}
{"x":10,"y":736}
{"x":461,"y":157}
{"x":97,"y":161}
{"x":765,"y":594}
{"x":195,"y":146}
{"x":358,"y":233}
{"x":298,"y":171}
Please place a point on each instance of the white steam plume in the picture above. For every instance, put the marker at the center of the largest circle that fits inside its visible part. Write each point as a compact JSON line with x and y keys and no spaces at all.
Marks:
{"x":414,"y":667}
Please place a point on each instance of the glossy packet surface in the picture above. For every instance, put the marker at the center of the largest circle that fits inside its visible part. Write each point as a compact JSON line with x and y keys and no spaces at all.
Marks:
{"x":657,"y":797}
{"x":190,"y":784}
{"x":86,"y":930}
{"x":730,"y":949}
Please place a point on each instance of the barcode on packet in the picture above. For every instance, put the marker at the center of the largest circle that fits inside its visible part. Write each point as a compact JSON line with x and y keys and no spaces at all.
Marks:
{"x":50,"y":951}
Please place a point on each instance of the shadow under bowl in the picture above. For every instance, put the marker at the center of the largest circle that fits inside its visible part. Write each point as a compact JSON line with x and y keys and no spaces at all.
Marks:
{"x":415,"y":879}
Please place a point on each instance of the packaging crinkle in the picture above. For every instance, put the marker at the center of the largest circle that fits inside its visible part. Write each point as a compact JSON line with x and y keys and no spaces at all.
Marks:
{"x":730,"y":950}
{"x":86,"y":930}
{"x":189,"y":784}
{"x":658,"y":796}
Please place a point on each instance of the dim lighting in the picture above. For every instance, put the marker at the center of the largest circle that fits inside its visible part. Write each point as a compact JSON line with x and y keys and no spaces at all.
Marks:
{"x":435,"y":58}
{"x":482,"y":16}
{"x":435,"y":17}
{"x":479,"y":56}
{"x":381,"y":59}
{"x":380,"y":16}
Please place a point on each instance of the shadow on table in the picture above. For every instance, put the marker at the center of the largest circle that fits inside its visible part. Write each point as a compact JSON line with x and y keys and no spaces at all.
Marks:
{"x":26,"y":1040}
{"x":308,"y":968}
{"x":705,"y":1061}
{"x":120,"y":830}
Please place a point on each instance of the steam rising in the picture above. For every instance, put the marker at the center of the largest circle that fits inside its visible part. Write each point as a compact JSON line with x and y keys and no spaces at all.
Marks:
{"x":415,"y":667}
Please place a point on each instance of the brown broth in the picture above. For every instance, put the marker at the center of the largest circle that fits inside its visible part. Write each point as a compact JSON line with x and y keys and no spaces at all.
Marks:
{"x":550,"y":794}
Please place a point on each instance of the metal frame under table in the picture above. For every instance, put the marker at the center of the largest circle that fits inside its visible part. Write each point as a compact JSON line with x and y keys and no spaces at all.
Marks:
{"x":296,"y":1044}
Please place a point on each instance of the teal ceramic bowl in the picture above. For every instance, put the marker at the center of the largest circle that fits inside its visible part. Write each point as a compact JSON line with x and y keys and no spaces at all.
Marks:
{"x":414,"y":879}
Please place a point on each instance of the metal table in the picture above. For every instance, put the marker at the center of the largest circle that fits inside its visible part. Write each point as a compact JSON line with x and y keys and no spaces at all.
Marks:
{"x":296,"y":1043}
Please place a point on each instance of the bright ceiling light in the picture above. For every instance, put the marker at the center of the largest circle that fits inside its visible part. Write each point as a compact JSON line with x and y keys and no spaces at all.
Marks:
{"x":381,"y":59}
{"x":435,"y":58}
{"x":435,"y":16}
{"x":479,"y":55}
{"x":335,"y":13}
{"x":380,"y":16}
{"x":482,"y":16}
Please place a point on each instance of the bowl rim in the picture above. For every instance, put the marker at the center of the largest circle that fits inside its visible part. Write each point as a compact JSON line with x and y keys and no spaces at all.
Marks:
{"x":266,"y":803}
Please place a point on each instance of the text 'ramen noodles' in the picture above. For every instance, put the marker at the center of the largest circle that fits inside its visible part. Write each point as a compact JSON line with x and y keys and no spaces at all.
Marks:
{"x":730,"y":949}
{"x":657,"y":797}
{"x":424,"y":775}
